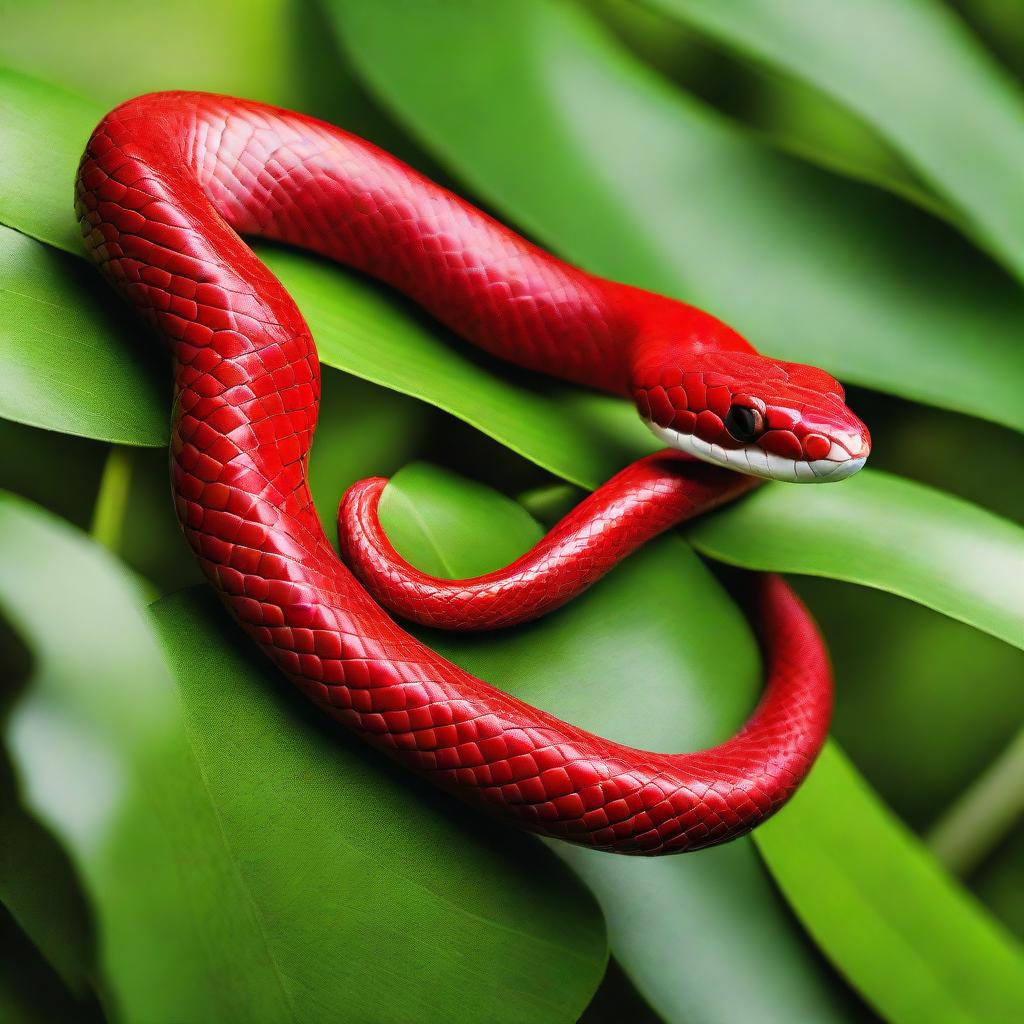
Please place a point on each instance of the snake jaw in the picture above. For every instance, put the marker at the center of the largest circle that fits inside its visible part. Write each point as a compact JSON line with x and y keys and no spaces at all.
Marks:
{"x":748,"y":412}
{"x":837,"y":464}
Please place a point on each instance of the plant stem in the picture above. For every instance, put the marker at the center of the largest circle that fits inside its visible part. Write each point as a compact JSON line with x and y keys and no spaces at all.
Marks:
{"x":983,"y":815}
{"x":112,"y":498}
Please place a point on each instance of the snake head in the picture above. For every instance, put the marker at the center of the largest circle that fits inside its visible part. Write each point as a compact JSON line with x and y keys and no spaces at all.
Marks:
{"x":742,"y":410}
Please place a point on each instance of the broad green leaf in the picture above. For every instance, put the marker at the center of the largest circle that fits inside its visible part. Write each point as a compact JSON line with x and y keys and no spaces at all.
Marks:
{"x":360,"y":329}
{"x":38,"y":887}
{"x":71,"y":359}
{"x":783,"y":111}
{"x":396,"y":878}
{"x":254,"y":48}
{"x":925,"y":705}
{"x":44,"y":130}
{"x":882,"y":531}
{"x":243,"y":859}
{"x":98,"y":743}
{"x":424,"y":506}
{"x":361,"y":431}
{"x":599,"y":158}
{"x":928,"y":87}
{"x":804,"y":122}
{"x":654,"y":655}
{"x":913,"y":942}
{"x":670,"y":919}
{"x":275,"y":51}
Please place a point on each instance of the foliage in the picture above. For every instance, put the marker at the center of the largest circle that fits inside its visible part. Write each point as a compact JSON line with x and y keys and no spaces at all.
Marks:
{"x":185,"y":840}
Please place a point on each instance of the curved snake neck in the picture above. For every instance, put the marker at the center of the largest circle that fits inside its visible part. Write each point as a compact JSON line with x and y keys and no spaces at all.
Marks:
{"x":167,"y":183}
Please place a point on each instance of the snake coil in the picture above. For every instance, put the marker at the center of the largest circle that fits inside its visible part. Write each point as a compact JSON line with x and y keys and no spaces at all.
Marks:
{"x":168,"y":183}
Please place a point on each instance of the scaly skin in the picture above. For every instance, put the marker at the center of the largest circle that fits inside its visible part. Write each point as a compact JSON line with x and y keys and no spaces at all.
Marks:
{"x":165,"y":185}
{"x":648,"y":497}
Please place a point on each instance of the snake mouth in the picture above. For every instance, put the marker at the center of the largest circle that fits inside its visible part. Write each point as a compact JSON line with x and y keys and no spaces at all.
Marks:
{"x":755,"y":461}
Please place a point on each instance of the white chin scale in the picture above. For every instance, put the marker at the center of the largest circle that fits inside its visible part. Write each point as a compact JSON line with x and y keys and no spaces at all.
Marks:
{"x":837,"y":465}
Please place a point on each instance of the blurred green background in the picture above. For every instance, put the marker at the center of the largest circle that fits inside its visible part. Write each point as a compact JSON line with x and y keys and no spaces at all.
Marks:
{"x":926,"y":706}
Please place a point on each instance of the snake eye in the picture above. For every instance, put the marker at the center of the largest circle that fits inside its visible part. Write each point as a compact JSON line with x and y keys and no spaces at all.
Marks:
{"x":744,"y":424}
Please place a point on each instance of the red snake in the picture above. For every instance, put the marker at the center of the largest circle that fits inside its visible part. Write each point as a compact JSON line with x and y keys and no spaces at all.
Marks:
{"x":166,"y":186}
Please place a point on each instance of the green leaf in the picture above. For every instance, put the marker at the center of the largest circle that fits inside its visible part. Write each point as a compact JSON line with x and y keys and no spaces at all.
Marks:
{"x":337,"y":848}
{"x":599,"y":158}
{"x":38,"y":886}
{"x":806,"y":123}
{"x":44,"y":130}
{"x":914,"y":943}
{"x":783,"y":111}
{"x":359,"y":328}
{"x":671,"y":919}
{"x":71,"y":359}
{"x":424,"y":507}
{"x":244,"y":859}
{"x":254,"y":48}
{"x":929,"y":88}
{"x":275,"y":51}
{"x":903,"y":712}
{"x":882,"y":531}
{"x":361,"y":431}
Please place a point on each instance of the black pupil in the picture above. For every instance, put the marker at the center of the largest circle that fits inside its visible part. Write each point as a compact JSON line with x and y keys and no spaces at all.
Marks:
{"x":742,"y":423}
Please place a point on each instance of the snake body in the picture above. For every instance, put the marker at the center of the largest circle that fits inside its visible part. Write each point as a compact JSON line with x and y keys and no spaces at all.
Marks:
{"x":643,"y":500}
{"x":167,"y":185}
